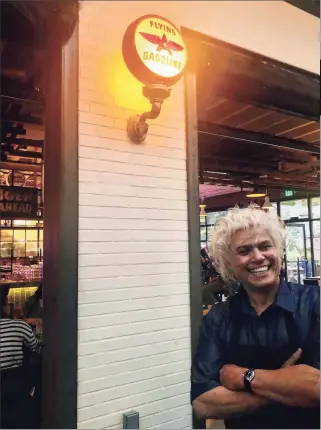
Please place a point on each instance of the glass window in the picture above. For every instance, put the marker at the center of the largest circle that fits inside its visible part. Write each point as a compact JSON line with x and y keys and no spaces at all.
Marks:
{"x":202,"y":220}
{"x":19,"y":249}
{"x":31,"y":223}
{"x":212,"y":217}
{"x":315,"y":207}
{"x":5,"y":249}
{"x":31,"y":249}
{"x":294,"y":209}
{"x":203,"y":234}
{"x":31,"y":235}
{"x":209,"y":232}
{"x":5,"y":223}
{"x":19,"y":223}
{"x":6,"y":235}
{"x":40,"y":235}
{"x":298,"y":252}
{"x":19,"y":235}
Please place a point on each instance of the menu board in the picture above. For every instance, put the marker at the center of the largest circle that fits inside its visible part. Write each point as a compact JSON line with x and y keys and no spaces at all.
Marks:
{"x":18,"y":202}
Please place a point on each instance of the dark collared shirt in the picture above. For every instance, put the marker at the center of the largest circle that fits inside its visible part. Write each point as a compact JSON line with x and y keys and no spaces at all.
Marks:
{"x":267,"y":329}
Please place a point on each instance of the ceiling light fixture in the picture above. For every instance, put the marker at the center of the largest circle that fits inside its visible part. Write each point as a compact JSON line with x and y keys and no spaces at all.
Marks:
{"x":202,"y":211}
{"x":267,"y":205}
{"x":256,"y":192}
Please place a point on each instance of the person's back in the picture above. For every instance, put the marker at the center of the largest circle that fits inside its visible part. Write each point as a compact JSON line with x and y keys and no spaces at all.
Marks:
{"x":14,"y":335}
{"x":16,"y":402}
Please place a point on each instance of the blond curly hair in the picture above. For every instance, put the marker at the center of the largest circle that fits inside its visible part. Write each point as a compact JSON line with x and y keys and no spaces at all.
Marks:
{"x":243,"y":219}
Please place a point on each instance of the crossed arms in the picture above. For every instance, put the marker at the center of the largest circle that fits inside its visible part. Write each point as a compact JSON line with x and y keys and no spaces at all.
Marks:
{"x":292,"y":385}
{"x":295,"y":385}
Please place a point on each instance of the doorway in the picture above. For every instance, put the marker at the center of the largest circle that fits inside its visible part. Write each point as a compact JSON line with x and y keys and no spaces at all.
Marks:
{"x":297,"y":259}
{"x":39,"y":50}
{"x":252,"y":135}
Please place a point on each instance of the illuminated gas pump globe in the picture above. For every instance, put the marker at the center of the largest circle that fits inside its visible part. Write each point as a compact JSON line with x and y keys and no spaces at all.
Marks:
{"x":155,"y":53}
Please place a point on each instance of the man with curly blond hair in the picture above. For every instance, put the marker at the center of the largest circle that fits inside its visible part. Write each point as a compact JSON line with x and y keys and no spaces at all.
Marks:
{"x":258,"y":360}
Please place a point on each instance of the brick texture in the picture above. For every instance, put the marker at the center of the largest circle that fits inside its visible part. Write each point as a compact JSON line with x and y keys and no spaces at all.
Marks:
{"x":134,"y":328}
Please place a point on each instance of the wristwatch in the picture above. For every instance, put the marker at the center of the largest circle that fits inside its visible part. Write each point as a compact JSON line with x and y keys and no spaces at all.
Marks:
{"x":248,"y":377}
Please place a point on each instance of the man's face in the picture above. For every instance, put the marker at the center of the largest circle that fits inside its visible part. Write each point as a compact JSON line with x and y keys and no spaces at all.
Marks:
{"x":254,"y":260}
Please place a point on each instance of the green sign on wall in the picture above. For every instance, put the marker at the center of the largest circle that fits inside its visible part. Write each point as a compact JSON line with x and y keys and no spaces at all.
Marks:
{"x":288,"y":193}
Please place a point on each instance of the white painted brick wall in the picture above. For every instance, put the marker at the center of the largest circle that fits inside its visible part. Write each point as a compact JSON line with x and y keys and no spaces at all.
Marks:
{"x":134,"y":327}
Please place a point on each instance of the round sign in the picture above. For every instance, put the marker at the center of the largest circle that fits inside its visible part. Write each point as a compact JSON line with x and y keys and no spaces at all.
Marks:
{"x":154,"y":50}
{"x":18,"y":179}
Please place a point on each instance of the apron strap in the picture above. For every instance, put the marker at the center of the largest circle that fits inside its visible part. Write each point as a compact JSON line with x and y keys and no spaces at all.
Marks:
{"x":235,"y":323}
{"x":292,"y":330}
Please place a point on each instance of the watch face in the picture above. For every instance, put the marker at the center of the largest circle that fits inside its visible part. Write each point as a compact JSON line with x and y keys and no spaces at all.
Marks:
{"x":249,"y":375}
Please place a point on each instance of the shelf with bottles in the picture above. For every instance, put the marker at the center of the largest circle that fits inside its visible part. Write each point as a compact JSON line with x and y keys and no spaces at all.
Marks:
{"x":21,"y":244}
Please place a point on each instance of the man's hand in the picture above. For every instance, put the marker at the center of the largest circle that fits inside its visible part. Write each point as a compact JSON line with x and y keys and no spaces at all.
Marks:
{"x":231,"y":376}
{"x":293,"y":359}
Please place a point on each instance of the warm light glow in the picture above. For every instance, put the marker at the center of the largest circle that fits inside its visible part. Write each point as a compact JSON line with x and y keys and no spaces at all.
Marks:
{"x":202,"y":211}
{"x":160,"y":47}
{"x":20,"y":223}
{"x":254,"y":195}
{"x":116,"y":80}
{"x":16,"y":294}
{"x":256,"y":192}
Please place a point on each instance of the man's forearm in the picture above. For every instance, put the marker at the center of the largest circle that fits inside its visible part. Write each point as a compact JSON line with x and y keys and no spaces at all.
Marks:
{"x":222,"y":403}
{"x":293,"y":386}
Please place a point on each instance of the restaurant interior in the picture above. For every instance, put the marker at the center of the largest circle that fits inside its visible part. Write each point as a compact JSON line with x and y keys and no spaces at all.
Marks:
{"x":21,"y":157}
{"x":259,"y":143}
{"x":21,"y":198}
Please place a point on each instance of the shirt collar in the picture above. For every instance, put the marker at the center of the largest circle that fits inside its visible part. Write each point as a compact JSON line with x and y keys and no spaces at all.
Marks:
{"x":284,"y":299}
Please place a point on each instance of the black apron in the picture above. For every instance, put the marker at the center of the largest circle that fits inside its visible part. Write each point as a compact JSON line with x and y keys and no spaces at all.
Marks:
{"x":274,"y":416}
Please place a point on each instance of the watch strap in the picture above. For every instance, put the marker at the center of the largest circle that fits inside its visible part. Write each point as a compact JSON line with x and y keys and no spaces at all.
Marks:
{"x":247,"y":385}
{"x":248,"y":377}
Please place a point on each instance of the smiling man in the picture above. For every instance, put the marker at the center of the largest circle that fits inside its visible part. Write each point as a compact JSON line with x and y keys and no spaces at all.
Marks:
{"x":258,"y":360}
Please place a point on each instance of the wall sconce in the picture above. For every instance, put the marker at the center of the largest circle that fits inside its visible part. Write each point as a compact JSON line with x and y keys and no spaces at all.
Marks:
{"x":137,"y":127}
{"x":155,"y":53}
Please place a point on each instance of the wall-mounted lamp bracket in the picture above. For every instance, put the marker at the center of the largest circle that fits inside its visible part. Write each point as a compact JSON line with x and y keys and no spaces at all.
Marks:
{"x":137,"y":127}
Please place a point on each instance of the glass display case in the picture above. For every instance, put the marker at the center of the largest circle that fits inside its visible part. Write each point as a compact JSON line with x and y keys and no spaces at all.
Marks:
{"x":21,"y":240}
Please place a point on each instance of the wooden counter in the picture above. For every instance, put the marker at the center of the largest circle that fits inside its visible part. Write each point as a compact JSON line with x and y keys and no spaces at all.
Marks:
{"x":20,"y":284}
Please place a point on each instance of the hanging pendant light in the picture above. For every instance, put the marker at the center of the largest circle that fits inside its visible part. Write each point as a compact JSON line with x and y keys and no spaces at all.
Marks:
{"x":202,"y":211}
{"x":267,"y":205}
{"x":256,"y":192}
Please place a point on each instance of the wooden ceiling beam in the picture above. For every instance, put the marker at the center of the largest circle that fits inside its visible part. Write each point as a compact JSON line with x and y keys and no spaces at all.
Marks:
{"x":260,"y":182}
{"x":208,"y":132}
{"x":303,"y":177}
{"x":14,"y":165}
{"x":266,"y":84}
